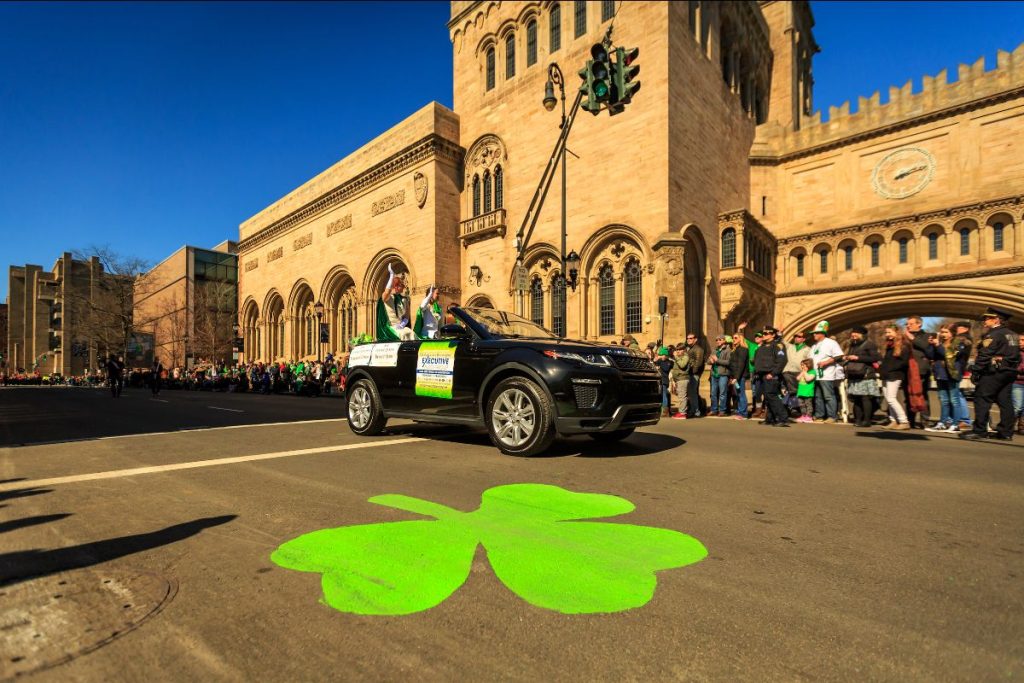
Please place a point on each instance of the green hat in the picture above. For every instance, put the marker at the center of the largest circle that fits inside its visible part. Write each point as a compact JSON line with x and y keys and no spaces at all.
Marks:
{"x":728,"y":339}
{"x":821,"y":327}
{"x":662,"y":351}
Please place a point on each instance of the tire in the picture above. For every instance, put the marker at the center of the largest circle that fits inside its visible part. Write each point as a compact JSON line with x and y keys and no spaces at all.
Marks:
{"x":611,"y":437}
{"x":520,"y":417}
{"x":364,"y":410}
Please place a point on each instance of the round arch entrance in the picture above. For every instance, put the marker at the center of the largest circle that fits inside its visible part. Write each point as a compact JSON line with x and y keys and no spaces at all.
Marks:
{"x":958,"y":300}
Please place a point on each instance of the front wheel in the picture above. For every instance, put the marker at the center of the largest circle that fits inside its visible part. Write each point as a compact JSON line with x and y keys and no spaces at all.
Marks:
{"x":520,"y":418}
{"x":610,"y":437}
{"x":365,"y":412}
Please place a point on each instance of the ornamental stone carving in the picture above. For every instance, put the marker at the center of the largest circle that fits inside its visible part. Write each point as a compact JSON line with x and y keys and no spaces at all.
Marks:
{"x":419,"y":185}
{"x":275,"y":254}
{"x":338,"y":225}
{"x":302,"y":242}
{"x":388,"y":203}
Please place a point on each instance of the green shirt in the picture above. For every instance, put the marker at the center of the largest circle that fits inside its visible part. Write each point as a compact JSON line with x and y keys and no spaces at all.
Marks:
{"x":806,"y":389}
{"x":752,"y":349}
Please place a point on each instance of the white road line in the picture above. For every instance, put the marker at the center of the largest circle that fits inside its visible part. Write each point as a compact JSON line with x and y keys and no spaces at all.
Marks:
{"x":186,"y":430}
{"x":134,"y":471}
{"x":159,"y":399}
{"x":230,"y":410}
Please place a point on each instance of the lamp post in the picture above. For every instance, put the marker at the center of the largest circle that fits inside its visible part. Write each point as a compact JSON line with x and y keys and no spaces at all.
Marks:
{"x":318,"y":307}
{"x":570,"y":262}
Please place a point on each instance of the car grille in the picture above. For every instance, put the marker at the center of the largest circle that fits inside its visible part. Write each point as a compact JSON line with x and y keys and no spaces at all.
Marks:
{"x":638,"y":388}
{"x":586,"y":395}
{"x":633,"y":363}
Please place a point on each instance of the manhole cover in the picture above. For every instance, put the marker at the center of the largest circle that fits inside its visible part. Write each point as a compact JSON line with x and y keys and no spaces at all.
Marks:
{"x":53,"y":619}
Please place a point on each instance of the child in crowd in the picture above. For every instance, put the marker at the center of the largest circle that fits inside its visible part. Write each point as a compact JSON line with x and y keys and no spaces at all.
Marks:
{"x":805,"y":390}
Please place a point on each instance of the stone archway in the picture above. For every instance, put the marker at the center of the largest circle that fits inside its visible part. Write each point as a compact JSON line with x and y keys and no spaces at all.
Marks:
{"x":376,"y":279}
{"x":301,"y":322}
{"x":250,"y":330}
{"x":341,"y":305}
{"x":956,"y":299}
{"x":273,"y":323}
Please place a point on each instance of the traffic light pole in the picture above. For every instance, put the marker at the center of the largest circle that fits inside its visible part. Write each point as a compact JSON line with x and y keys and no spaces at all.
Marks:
{"x":533,"y":212}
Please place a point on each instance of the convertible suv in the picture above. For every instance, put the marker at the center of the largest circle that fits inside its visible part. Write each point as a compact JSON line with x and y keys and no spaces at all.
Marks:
{"x":502,"y":372}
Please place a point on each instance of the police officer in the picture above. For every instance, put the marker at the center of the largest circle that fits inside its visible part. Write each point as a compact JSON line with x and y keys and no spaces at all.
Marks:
{"x":995,"y":370}
{"x":769,"y":362}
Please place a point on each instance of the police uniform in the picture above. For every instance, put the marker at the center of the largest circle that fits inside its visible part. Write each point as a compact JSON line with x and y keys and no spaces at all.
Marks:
{"x":770,"y":359}
{"x":995,"y":370}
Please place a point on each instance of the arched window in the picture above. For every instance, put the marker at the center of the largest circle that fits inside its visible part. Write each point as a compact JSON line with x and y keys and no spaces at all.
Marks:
{"x":729,"y":248}
{"x":310,"y":324}
{"x":531,"y":43}
{"x":848,"y":258}
{"x":876,"y":254}
{"x":607,"y":10}
{"x":634,"y":297}
{"x":510,"y":55}
{"x":904,"y":252}
{"x":537,"y":301}
{"x":476,"y":196}
{"x":965,"y":241}
{"x":499,"y":187}
{"x":997,"y":237}
{"x":490,"y":68}
{"x":558,"y":305}
{"x":933,"y":246}
{"x":823,"y":256}
{"x":606,"y":300}
{"x":555,"y":27}
{"x":487,"y":191}
{"x":580,"y":18}
{"x":799,"y":265}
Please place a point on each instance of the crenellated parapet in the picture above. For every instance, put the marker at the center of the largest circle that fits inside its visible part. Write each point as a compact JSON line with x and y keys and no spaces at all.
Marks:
{"x":974,"y":88}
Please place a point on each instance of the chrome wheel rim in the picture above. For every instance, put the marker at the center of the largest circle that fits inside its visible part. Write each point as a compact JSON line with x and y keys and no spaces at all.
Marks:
{"x":513,"y":418}
{"x":359,"y":406}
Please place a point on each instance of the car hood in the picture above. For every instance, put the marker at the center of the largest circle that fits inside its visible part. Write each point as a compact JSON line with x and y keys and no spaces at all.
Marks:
{"x":576,"y":346}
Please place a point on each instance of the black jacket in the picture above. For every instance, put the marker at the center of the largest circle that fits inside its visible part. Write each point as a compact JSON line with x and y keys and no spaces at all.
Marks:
{"x":895,"y":367}
{"x":920,"y":350}
{"x":999,"y":342}
{"x":739,"y":363}
{"x":867,"y":353}
{"x":770,"y":357}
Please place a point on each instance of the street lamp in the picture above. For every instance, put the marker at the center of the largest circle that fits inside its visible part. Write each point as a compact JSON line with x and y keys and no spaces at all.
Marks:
{"x":572,"y":263}
{"x":318,"y":308}
{"x":475,"y":273}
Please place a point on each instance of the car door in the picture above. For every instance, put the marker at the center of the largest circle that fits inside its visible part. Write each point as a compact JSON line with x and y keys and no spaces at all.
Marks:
{"x":474,"y":359}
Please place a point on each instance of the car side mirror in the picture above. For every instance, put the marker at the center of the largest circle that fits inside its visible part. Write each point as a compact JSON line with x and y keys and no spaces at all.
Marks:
{"x":452,"y":331}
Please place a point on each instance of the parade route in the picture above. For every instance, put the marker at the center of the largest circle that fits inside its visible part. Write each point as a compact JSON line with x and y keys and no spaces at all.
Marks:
{"x":824,"y":543}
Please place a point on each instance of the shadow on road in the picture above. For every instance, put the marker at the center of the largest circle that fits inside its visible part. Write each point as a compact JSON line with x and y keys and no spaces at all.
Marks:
{"x":30,"y":521}
{"x":21,"y":565}
{"x":23,"y":493}
{"x":894,"y":436}
{"x":640,"y":443}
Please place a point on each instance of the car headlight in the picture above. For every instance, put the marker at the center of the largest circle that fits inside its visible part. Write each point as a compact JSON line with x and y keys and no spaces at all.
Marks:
{"x":587,"y":359}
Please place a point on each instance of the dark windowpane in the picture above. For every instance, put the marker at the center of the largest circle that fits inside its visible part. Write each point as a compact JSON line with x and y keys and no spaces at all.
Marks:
{"x":490,"y":69}
{"x":558,"y":305}
{"x":487,"y":192}
{"x":965,"y":241}
{"x":634,"y":297}
{"x":580,"y":18}
{"x":537,"y":301}
{"x":729,"y":248}
{"x":823,"y":255}
{"x":607,"y":9}
{"x":799,"y":265}
{"x":997,"y":237}
{"x":904,"y":251}
{"x":876,"y":249}
{"x":555,"y":26}
{"x":476,"y":196}
{"x":510,"y":56}
{"x":531,"y":43}
{"x":499,"y":188}
{"x":848,"y":258}
{"x":606,"y":301}
{"x":933,"y":246}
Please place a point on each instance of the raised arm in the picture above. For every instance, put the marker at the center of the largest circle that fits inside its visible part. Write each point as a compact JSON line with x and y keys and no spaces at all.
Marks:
{"x":391,"y":283}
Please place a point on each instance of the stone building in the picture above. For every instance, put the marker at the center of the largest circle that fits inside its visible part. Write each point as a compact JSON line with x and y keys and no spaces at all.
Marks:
{"x":189,"y":304}
{"x":714,"y":187}
{"x":52,"y":326}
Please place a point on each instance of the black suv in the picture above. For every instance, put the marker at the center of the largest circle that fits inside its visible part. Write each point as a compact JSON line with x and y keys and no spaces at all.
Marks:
{"x":503,"y":372}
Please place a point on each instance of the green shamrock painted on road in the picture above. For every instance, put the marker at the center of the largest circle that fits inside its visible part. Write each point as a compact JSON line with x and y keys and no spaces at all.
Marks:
{"x":533,"y":543}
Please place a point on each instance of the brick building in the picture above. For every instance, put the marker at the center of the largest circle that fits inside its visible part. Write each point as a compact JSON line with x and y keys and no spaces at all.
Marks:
{"x":189,"y":303}
{"x":713,"y":187}
{"x":53,"y":325}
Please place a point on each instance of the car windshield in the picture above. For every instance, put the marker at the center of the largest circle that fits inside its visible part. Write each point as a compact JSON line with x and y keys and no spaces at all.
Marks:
{"x":505,"y":324}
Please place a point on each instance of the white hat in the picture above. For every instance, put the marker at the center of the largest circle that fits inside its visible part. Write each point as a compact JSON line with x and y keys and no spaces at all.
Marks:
{"x":821,"y":327}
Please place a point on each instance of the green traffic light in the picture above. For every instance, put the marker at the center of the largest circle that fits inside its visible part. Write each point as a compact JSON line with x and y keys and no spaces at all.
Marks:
{"x":600,"y":89}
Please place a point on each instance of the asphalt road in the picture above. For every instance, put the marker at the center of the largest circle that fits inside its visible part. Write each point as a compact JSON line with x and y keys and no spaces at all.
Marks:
{"x":834,"y":553}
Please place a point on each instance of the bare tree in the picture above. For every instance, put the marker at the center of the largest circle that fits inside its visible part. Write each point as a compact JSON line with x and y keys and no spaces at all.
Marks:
{"x":106,"y":310}
{"x":214,"y":317}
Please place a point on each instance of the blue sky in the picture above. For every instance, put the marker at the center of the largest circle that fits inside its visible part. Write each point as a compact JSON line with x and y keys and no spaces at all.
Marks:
{"x":147,"y":126}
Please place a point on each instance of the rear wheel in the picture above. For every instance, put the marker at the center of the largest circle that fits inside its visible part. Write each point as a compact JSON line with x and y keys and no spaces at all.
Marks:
{"x":520,"y":418}
{"x":609,"y":437}
{"x":365,"y":412}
